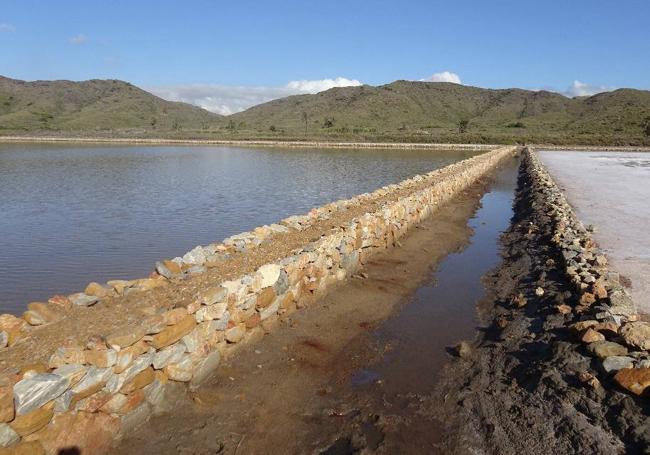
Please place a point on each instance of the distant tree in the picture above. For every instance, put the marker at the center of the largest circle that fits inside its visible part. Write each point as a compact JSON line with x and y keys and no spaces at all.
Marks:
{"x":272,"y":128}
{"x":462,"y":126}
{"x":231,"y":125}
{"x":328,"y":123}
{"x":153,"y":122}
{"x":305,"y":119}
{"x":646,"y":127}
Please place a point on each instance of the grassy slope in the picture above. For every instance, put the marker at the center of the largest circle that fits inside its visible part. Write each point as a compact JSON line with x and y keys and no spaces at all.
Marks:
{"x":400,"y":111}
{"x":91,"y":106}
{"x":432,"y":111}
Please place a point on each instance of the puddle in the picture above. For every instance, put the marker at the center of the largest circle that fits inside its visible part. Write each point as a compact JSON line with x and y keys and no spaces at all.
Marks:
{"x":443,"y":312}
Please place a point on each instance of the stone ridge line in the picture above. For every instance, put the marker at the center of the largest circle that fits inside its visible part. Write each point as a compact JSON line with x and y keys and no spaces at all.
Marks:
{"x":603,"y":316}
{"x":86,"y":368}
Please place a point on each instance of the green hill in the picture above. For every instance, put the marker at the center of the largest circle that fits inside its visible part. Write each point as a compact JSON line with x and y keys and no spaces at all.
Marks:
{"x":434,"y":111}
{"x":95,"y":106}
{"x":400,"y":111}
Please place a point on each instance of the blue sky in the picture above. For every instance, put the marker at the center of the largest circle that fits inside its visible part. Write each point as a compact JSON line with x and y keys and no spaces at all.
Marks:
{"x":227,"y":55}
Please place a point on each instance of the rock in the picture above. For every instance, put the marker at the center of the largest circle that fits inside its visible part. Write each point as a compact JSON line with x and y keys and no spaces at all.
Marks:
{"x":519,"y":301}
{"x":14,"y":327}
{"x":213,"y":295}
{"x":591,"y":336}
{"x":170,"y":354}
{"x":637,"y":334}
{"x":221,"y":324}
{"x":154,"y":394}
{"x":196,"y":256}
{"x":168,"y":269}
{"x":174,"y":316}
{"x":6,"y":403}
{"x":33,"y":421}
{"x":142,"y":379}
{"x":81,"y":299}
{"x":204,"y":369}
{"x":265,"y":298}
{"x":33,"y":318}
{"x":463,"y":350}
{"x":25,"y":448}
{"x":89,"y":433}
{"x":539,"y":291}
{"x":599,"y":290}
{"x":154,"y":324}
{"x":604,"y":349}
{"x":617,"y":362}
{"x":636,"y":380}
{"x":67,"y":355}
{"x":587,"y":299}
{"x":101,"y":358}
{"x":270,"y":310}
{"x":181,"y":371}
{"x":63,"y":402}
{"x":4,"y":339}
{"x":236,"y":334}
{"x":7,"y":435}
{"x":136,"y":418}
{"x":282,"y":284}
{"x":97,"y":290}
{"x":116,"y":382}
{"x":253,"y":321}
{"x":120,"y":285}
{"x":209,"y":313}
{"x":563,"y":308}
{"x":270,"y":274}
{"x":73,"y":372}
{"x":33,"y":392}
{"x":93,"y":381}
{"x":174,"y":333}
{"x":46,"y":312}
{"x":126,"y":336}
{"x":61,"y":301}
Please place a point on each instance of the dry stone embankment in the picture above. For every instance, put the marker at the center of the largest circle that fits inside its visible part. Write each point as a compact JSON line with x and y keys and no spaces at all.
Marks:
{"x":96,"y":387}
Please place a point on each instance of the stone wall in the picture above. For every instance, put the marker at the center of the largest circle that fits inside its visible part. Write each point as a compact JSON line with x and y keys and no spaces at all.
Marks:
{"x":92,"y":391}
{"x":602,"y":315}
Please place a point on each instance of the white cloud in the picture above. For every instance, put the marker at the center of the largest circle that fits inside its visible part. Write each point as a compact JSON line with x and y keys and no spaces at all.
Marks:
{"x":321,"y":85}
{"x":582,"y":89}
{"x":79,"y":39}
{"x":229,"y":99}
{"x":7,"y":28}
{"x":444,"y":76}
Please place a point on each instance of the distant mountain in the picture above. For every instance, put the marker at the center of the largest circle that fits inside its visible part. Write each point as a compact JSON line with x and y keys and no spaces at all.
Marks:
{"x":92,"y":106}
{"x":400,"y":111}
{"x":438,"y":110}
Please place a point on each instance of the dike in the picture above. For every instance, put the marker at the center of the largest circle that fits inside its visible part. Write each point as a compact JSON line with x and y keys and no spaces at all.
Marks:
{"x":80,"y":370}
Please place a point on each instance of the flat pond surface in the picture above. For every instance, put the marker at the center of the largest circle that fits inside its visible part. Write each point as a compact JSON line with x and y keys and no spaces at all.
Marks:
{"x":611,"y":190}
{"x":74,"y":214}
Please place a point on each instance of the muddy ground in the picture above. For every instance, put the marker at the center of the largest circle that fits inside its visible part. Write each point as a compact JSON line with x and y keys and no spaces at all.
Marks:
{"x":519,"y":391}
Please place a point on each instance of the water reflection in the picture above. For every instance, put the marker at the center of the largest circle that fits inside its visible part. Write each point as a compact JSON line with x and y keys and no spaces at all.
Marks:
{"x":74,"y":214}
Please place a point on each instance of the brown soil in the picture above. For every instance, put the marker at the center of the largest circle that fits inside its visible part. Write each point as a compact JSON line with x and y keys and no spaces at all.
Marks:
{"x":118,"y":312}
{"x":291,"y":393}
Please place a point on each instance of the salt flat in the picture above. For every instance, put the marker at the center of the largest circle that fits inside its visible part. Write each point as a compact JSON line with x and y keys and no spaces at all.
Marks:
{"x":611,"y":190}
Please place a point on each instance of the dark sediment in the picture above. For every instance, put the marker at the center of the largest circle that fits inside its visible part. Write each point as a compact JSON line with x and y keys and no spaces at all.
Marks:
{"x":530,"y":386}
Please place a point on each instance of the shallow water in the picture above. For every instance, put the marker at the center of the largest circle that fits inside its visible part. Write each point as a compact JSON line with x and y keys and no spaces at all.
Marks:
{"x":442,"y":311}
{"x":74,"y":214}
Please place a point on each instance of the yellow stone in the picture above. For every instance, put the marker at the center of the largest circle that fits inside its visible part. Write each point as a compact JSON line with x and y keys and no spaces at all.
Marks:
{"x":24,"y":448}
{"x":173,"y":333}
{"x":27,"y":424}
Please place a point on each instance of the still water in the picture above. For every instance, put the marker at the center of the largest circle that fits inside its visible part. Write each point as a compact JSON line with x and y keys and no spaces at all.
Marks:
{"x":74,"y":214}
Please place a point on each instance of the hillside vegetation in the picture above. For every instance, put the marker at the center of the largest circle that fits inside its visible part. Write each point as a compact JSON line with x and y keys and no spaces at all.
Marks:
{"x":400,"y":111}
{"x":93,"y":106}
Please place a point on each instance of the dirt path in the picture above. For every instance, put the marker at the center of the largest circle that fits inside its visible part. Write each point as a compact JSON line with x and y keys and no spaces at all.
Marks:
{"x":291,"y":393}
